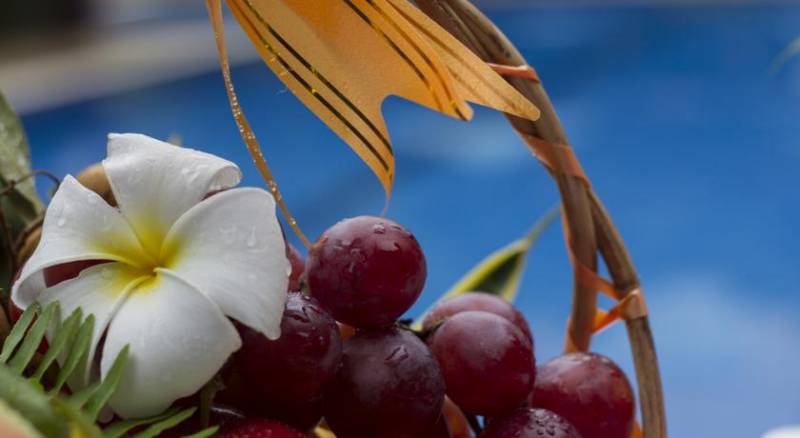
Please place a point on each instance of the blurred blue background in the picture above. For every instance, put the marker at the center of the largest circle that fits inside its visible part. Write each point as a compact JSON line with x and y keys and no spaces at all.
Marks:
{"x":689,"y":139}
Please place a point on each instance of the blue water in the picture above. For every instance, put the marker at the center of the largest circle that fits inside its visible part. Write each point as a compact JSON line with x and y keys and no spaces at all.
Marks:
{"x":689,"y":140}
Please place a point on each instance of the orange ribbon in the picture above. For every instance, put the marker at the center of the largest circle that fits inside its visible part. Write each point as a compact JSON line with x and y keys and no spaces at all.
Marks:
{"x":560,"y":158}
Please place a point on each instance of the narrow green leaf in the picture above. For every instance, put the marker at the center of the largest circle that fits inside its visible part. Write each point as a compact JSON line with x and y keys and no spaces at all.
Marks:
{"x":15,"y":157}
{"x":786,"y":54}
{"x":80,"y":397}
{"x":80,"y":347}
{"x":205,"y":433}
{"x":500,"y":273}
{"x":15,"y":425}
{"x":18,"y":332}
{"x":120,"y":428}
{"x":66,"y":335}
{"x":108,"y":386}
{"x":156,"y":429}
{"x":79,"y":425}
{"x":33,"y":339}
{"x":31,"y":403}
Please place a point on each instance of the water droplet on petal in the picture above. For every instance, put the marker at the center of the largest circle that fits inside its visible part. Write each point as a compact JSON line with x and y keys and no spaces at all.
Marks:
{"x":228,"y":234}
{"x":252,"y":239}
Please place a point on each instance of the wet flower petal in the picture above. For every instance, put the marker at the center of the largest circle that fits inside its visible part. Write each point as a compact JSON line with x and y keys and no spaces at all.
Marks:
{"x":231,"y":248}
{"x":178,"y":340}
{"x":155,"y":182}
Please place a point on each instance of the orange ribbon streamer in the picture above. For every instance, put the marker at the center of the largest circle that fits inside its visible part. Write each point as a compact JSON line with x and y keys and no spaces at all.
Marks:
{"x":560,"y":158}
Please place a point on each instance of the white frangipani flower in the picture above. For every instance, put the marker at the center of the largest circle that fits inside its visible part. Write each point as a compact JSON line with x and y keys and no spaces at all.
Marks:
{"x":178,"y":263}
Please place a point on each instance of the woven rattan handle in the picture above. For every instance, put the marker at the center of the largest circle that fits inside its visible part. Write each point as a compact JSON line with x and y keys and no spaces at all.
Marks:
{"x":589,"y":226}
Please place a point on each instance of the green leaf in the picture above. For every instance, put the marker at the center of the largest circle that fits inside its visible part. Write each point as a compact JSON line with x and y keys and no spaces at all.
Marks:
{"x":108,"y":386}
{"x":205,"y":433}
{"x":80,"y":348}
{"x":168,"y":423}
{"x":15,"y":157}
{"x":500,"y":273}
{"x":79,"y":424}
{"x":16,"y":425}
{"x":120,"y":428}
{"x":33,"y":339}
{"x":17,"y":332}
{"x":31,"y":403}
{"x":82,"y":396}
{"x":786,"y":54}
{"x":66,"y":335}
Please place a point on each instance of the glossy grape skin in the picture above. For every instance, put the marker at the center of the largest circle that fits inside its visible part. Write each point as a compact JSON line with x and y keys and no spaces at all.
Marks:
{"x":487,"y":362}
{"x":477,"y":301}
{"x":590,"y":391}
{"x":366,"y":270}
{"x":285,"y":378}
{"x":530,"y":423}
{"x":439,"y":429}
{"x":259,"y":428}
{"x":298,"y":266}
{"x":389,"y":385}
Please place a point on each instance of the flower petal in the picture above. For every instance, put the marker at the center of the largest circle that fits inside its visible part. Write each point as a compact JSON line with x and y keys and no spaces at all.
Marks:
{"x":178,"y":340}
{"x":231,"y":248}
{"x":155,"y":182}
{"x":78,"y":225}
{"x":98,"y":290}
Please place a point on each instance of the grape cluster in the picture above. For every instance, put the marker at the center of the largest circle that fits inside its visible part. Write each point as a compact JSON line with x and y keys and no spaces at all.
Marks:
{"x":343,"y":358}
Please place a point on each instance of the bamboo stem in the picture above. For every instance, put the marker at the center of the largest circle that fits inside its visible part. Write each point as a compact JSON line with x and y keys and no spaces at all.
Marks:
{"x":589,"y":224}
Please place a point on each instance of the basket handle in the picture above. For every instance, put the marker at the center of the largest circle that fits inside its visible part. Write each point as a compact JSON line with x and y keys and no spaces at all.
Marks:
{"x":587,"y":223}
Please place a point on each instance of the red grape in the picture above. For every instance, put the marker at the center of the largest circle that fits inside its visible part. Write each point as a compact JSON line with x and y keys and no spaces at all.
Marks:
{"x":298,"y":266}
{"x":530,"y":423}
{"x":439,"y":429}
{"x":487,"y":362}
{"x":258,"y":428}
{"x":285,"y":378}
{"x":477,"y":301}
{"x":388,"y":385}
{"x":366,"y":270}
{"x":590,"y":391}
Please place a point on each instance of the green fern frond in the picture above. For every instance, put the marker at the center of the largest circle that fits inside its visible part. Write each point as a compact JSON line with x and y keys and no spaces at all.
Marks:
{"x":43,"y":405}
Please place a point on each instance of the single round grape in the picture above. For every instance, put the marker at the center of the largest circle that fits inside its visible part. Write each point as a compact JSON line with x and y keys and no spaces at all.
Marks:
{"x":477,"y":301}
{"x":259,"y":428}
{"x":67,"y":271}
{"x":366,"y":270}
{"x":388,"y":385}
{"x":286,"y":377}
{"x":530,"y":423}
{"x":487,"y":362}
{"x":590,"y":391}
{"x":296,"y":366}
{"x":298,"y":266}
